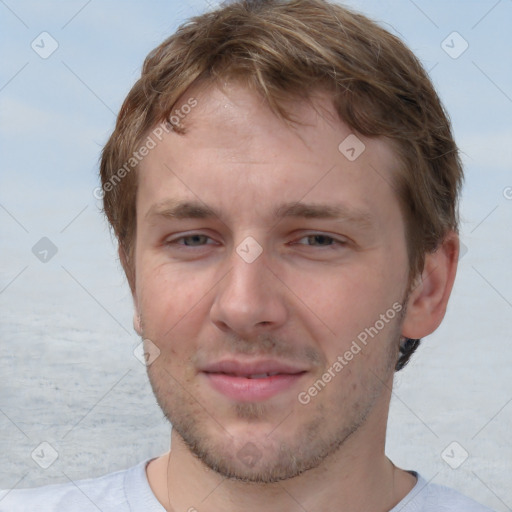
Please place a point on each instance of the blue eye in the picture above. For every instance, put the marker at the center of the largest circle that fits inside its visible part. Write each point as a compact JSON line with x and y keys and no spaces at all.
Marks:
{"x":320,"y":240}
{"x":195,"y":240}
{"x":200,"y":240}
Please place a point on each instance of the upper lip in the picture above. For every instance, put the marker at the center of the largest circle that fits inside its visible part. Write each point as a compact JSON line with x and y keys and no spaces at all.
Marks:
{"x":245,"y":368}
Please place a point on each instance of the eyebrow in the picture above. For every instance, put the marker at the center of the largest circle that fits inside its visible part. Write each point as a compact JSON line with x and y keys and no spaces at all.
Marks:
{"x":173,"y":209}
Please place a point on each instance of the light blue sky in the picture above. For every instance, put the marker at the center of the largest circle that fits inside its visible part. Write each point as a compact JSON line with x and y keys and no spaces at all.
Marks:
{"x":55,"y":115}
{"x":46,"y":106}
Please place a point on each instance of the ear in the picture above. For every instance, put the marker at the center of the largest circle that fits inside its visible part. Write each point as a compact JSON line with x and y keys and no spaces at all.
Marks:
{"x":428,"y":297}
{"x":130,"y":276}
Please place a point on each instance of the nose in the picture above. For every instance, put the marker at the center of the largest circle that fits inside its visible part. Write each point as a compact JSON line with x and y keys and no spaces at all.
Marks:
{"x":250,"y":299}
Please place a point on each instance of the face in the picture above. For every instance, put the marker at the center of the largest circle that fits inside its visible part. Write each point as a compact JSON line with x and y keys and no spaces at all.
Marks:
{"x":270,"y":271}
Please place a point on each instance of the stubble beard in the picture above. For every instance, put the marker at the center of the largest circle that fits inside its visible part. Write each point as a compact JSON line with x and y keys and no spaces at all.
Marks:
{"x":281,"y":454}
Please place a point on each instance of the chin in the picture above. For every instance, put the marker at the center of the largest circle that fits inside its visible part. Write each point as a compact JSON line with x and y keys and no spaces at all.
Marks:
{"x":259,"y":454}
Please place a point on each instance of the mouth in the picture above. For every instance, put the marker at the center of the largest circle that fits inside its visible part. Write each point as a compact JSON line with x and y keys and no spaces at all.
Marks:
{"x":252,"y":381}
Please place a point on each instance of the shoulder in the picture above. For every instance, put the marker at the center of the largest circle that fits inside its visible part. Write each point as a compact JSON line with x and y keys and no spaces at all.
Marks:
{"x":428,"y":497}
{"x":445,"y":498}
{"x":105,"y":493}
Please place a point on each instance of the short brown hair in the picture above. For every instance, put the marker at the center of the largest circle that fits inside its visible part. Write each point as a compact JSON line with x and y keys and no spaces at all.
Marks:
{"x":288,"y":50}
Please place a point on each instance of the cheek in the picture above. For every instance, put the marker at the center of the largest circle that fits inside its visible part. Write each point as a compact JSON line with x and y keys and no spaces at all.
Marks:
{"x":342,"y":310}
{"x":170,"y":300}
{"x":343,"y":297}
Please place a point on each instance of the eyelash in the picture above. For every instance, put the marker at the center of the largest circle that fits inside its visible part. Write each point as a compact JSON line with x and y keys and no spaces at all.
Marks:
{"x":172,"y":242}
{"x":333,"y":241}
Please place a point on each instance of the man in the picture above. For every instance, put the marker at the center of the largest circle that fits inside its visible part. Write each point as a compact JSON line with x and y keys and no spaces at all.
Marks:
{"x":283,"y":184}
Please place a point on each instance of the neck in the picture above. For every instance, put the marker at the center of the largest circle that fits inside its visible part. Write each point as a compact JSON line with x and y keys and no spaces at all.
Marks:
{"x":357,"y":477}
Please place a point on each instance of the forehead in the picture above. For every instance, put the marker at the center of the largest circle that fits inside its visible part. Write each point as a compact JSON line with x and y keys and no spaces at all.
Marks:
{"x":228,"y":109}
{"x":236,"y":146}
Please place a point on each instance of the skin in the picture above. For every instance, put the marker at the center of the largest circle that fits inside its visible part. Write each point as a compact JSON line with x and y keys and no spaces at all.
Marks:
{"x":303,"y":300}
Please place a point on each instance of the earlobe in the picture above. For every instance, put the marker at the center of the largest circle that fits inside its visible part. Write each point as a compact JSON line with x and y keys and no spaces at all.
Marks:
{"x":428,"y":297}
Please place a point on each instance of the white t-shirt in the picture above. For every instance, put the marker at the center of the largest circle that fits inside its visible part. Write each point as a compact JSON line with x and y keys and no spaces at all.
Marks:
{"x":129,"y":491}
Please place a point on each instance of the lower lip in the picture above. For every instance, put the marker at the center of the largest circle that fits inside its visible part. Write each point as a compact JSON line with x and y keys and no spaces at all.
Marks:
{"x":252,"y":390}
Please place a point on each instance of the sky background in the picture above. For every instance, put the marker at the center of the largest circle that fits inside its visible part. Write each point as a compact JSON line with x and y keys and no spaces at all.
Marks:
{"x":68,"y":375}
